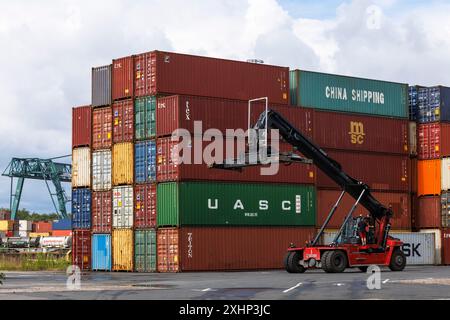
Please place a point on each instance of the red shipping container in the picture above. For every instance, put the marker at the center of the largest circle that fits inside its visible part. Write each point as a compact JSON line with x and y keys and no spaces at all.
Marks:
{"x":102,"y":128}
{"x":226,"y":248}
{"x":123,"y":121}
{"x":145,"y":206}
{"x":167,"y":170}
{"x":414,"y":175}
{"x":101,"y":212}
{"x":178,"y":111}
{"x":61,"y":233}
{"x":81,"y":126}
{"x":42,"y":226}
{"x":122,"y":78}
{"x":446,"y":246}
{"x":81,"y":249}
{"x":142,"y":71}
{"x":433,"y":141}
{"x":379,"y":171}
{"x":344,"y":131}
{"x":173,"y":73}
{"x":428,"y":212}
{"x":400,"y":203}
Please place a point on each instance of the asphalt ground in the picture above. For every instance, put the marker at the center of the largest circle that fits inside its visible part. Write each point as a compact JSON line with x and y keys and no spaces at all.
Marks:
{"x":415,"y":282}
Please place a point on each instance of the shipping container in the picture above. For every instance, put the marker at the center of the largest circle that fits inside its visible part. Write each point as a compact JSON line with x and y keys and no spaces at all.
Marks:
{"x":446,"y":246}
{"x":38,"y":234}
{"x":142,"y":71}
{"x":102,"y":212}
{"x":6,"y":225}
{"x":445,"y":174}
{"x":145,"y":250}
{"x":445,"y":210}
{"x":81,"y":209}
{"x":122,"y":207}
{"x":5,"y":215}
{"x":419,"y":248}
{"x":102,"y":128}
{"x":63,"y":224}
{"x":428,"y":212}
{"x":145,"y":118}
{"x":413,"y":101}
{"x":101,"y":252}
{"x":101,"y":170}
{"x":227,"y":248}
{"x":173,"y":73}
{"x":380,"y":172}
{"x":81,"y":167}
{"x":412,"y":138}
{"x":81,"y":126}
{"x":180,"y":112}
{"x":122,"y":78}
{"x":414,"y":175}
{"x":81,"y":249}
{"x":433,"y":140}
{"x":122,"y":248}
{"x":123,"y":121}
{"x":203,"y":203}
{"x":348,"y":94}
{"x":101,"y":86}
{"x":434,"y":104}
{"x":429,"y":177}
{"x":43,"y":226}
{"x":400,"y":203}
{"x":145,"y":161}
{"x":122,"y":163}
{"x":145,"y":206}
{"x":168,"y":154}
{"x":25,"y":225}
{"x":344,"y":131}
{"x":62,"y":233}
{"x":23,"y":233}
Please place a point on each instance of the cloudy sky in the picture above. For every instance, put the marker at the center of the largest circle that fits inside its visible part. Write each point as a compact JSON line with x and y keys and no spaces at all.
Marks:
{"x":49,"y":47}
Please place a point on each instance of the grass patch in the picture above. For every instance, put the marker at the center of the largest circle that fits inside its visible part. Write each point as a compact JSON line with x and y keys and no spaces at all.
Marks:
{"x":33,"y":262}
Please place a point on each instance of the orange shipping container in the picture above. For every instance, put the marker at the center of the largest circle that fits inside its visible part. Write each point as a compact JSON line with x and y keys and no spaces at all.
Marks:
{"x":428,"y":177}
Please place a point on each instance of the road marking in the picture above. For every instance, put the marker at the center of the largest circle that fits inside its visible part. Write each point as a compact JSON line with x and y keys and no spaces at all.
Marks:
{"x":292,"y":288}
{"x":339,"y":284}
{"x":386,"y":281}
{"x":207,"y":289}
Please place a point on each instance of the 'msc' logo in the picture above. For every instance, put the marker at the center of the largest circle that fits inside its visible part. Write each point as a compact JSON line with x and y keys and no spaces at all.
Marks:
{"x":356,"y":132}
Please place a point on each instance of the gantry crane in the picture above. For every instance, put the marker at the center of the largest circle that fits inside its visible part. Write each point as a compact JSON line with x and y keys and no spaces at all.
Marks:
{"x":39,"y":169}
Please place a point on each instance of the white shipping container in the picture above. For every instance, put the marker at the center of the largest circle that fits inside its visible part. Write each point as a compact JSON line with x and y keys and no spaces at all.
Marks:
{"x":24,"y":233}
{"x":445,"y":174}
{"x":420,"y":248}
{"x":81,"y":167}
{"x":123,"y":207}
{"x":25,"y":225}
{"x":437,"y":243}
{"x":412,"y":138}
{"x":101,"y":170}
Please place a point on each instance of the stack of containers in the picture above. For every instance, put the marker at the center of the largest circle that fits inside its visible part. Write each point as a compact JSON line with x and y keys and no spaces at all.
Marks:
{"x":7,"y":228}
{"x":25,"y":227}
{"x":432,"y":210}
{"x":62,"y":228}
{"x":81,"y":186}
{"x":363,"y":125}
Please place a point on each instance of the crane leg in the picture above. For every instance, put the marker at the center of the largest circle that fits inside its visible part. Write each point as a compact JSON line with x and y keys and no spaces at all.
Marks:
{"x":15,"y":198}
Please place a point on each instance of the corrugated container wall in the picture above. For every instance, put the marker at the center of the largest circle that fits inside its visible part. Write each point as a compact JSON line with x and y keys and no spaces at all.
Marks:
{"x":445,"y":174}
{"x":81,"y":209}
{"x":445,"y":210}
{"x":202,"y":203}
{"x":63,"y":224}
{"x":429,"y":177}
{"x":142,"y":74}
{"x":145,"y":161}
{"x":122,"y":78}
{"x":81,"y":126}
{"x":81,"y":249}
{"x":413,"y":101}
{"x":101,"y":252}
{"x":122,"y":207}
{"x":380,"y":172}
{"x":446,"y":246}
{"x":102,"y":212}
{"x":226,"y":248}
{"x":434,"y":104}
{"x":44,"y":226}
{"x":173,"y":73}
{"x":25,"y":225}
{"x":102,"y":128}
{"x":428,"y":212}
{"x":348,"y":94}
{"x":433,"y":141}
{"x":145,"y":250}
{"x":123,"y":164}
{"x":81,"y":167}
{"x":123,"y":121}
{"x":101,"y":170}
{"x":400,"y":203}
{"x":343,"y":131}
{"x":412,"y":138}
{"x":101,"y":86}
{"x":145,"y":206}
{"x":122,"y":250}
{"x":145,"y":118}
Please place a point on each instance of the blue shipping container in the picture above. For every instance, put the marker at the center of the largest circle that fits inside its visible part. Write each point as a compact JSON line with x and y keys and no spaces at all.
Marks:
{"x":145,"y":161}
{"x":81,"y":209}
{"x":413,"y":100}
{"x":101,"y":252}
{"x":64,"y":224}
{"x":433,"y":104}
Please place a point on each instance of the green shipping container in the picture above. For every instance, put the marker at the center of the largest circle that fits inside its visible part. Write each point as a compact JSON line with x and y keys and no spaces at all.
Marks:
{"x":348,"y":94}
{"x":203,"y":203}
{"x":145,"y":250}
{"x":145,"y":116}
